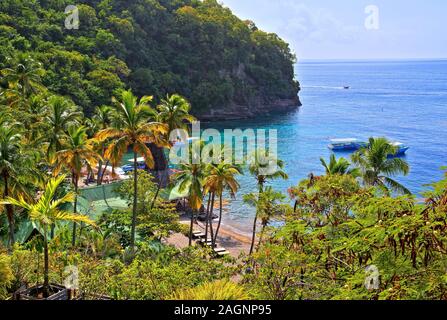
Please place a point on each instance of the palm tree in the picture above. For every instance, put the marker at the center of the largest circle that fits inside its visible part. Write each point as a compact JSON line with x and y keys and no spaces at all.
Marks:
{"x":174,"y":111}
{"x":264,"y":168}
{"x":131,"y":128}
{"x":101,"y":120}
{"x":61,"y":115}
{"x":190,"y":178}
{"x":46,"y":212}
{"x":26,"y":74}
{"x":15,"y":168}
{"x":340,"y":166}
{"x":32,"y":119}
{"x":76,"y":153}
{"x":221,"y":177}
{"x":377,"y":163}
{"x":268,"y":204}
{"x":260,"y":167}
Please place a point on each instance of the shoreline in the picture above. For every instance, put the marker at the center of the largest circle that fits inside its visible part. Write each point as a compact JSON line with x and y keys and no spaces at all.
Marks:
{"x":234,"y":233}
{"x":244,"y":112}
{"x":235,"y":241}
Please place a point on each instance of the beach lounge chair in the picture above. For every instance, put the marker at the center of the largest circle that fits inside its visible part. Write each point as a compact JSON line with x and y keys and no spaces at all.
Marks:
{"x":206,"y":242}
{"x":198,"y":235}
{"x":222,"y":254}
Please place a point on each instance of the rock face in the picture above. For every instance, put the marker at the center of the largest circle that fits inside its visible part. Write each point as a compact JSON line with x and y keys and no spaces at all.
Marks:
{"x":238,"y":112}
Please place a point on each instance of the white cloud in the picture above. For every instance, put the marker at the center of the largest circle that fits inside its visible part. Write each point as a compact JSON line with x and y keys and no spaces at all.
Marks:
{"x":326,"y":29}
{"x":301,"y":23}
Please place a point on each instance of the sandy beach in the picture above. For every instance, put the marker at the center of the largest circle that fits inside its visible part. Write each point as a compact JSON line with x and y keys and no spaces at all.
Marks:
{"x":228,"y":238}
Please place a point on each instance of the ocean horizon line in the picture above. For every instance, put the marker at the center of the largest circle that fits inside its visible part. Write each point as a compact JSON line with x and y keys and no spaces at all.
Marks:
{"x":362,"y":60}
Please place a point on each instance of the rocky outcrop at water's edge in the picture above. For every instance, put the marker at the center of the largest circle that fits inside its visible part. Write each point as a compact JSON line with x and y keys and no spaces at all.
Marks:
{"x":238,"y":112}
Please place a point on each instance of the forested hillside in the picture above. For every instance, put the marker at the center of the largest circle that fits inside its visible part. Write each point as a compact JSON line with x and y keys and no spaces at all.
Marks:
{"x":196,"y":48}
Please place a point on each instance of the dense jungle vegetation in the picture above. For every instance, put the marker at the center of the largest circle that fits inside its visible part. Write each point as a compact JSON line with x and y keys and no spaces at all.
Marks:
{"x":195,"y":48}
{"x":353,"y":232}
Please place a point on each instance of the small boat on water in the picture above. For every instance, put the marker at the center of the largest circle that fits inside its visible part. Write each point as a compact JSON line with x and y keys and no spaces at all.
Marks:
{"x":350,"y":144}
{"x":141,"y":165}
{"x":346,"y":87}
{"x":401,"y":148}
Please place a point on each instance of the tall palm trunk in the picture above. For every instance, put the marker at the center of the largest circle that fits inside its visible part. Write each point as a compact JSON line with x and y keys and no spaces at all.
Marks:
{"x":103,"y":171}
{"x":135,"y":201}
{"x":261,"y":236}
{"x":190,"y":228}
{"x":160,"y":166}
{"x":253,"y":237}
{"x":75,"y":207}
{"x":9,"y":212}
{"x":220,"y":219}
{"x":207,"y":216}
{"x":156,"y":195}
{"x":99,"y":178}
{"x":46,"y":280}
{"x":211,"y":218}
{"x":255,"y":221}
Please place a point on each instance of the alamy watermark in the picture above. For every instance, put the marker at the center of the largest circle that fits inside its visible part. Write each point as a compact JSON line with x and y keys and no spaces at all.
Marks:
{"x":72,"y":19}
{"x":71,"y":280}
{"x":372,"y":21}
{"x":372,"y":280}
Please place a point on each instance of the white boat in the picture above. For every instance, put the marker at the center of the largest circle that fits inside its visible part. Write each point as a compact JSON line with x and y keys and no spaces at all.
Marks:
{"x":401,"y":148}
{"x":348,"y":144}
{"x":141,"y":165}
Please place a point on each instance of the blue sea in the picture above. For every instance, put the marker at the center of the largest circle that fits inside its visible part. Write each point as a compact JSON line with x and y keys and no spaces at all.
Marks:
{"x":400,"y":100}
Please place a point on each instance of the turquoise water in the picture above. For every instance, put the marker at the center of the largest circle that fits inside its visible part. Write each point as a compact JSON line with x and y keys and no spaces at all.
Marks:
{"x":402,"y":100}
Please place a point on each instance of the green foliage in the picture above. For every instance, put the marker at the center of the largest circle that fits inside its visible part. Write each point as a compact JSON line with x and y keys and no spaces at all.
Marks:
{"x":277,"y":273}
{"x":198,"y":49}
{"x":147,"y":187}
{"x":152,"y":223}
{"x":218,"y":290}
{"x":326,"y":198}
{"x":117,"y":222}
{"x":339,"y":231}
{"x":6,"y":275}
{"x":153,"y":274}
{"x":377,"y":164}
{"x":339,"y":166}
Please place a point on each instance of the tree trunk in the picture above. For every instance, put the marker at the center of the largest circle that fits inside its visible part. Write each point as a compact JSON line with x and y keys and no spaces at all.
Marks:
{"x":99,"y":179}
{"x":260,"y":238}
{"x":211,"y":219}
{"x":295,"y":206}
{"x":254,"y":233}
{"x":220,"y":219}
{"x":135,"y":201}
{"x":46,"y":281}
{"x":156,"y":195}
{"x":253,"y":238}
{"x":191,"y":227}
{"x":75,"y":207}
{"x":103,"y":171}
{"x":207,"y":216}
{"x":9,"y":213}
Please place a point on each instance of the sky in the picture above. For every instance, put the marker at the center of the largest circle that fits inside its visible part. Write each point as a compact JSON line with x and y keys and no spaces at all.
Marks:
{"x":352,"y":29}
